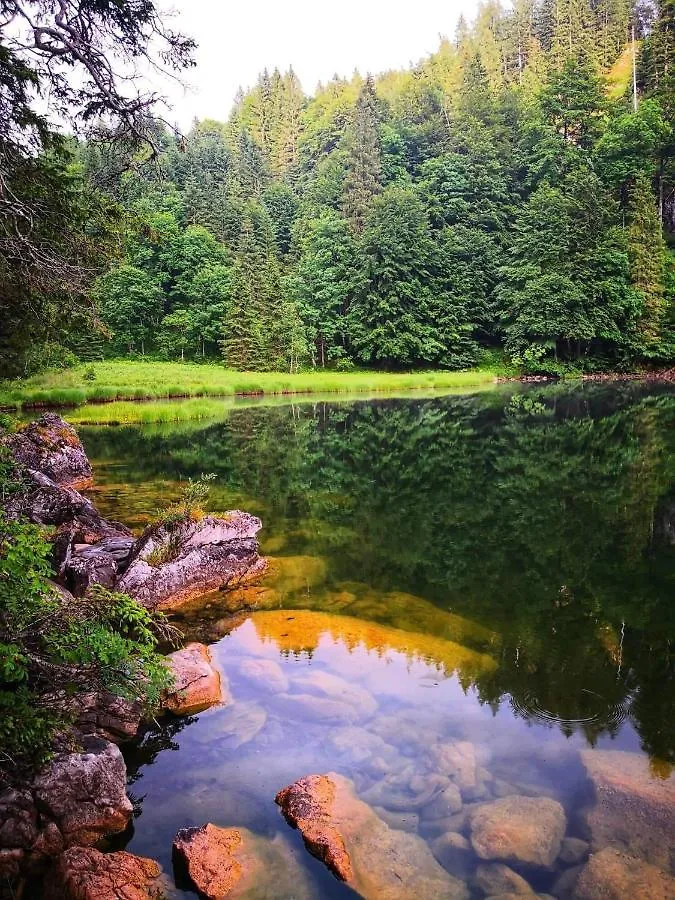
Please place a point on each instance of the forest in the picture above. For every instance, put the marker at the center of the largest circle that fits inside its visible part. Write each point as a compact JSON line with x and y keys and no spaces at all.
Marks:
{"x":511,"y":196}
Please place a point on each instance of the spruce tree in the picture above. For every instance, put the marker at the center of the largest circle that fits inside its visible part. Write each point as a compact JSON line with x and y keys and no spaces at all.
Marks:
{"x":364,"y":158}
{"x":646,"y":250}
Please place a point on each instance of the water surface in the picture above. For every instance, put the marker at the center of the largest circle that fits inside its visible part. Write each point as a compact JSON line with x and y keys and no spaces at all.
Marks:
{"x":496,"y":568}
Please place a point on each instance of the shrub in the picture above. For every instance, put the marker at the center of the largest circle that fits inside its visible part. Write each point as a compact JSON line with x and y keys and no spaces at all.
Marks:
{"x":190,"y":503}
{"x":53,"y":646}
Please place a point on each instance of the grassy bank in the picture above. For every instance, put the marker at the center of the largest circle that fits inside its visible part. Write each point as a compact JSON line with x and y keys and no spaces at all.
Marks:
{"x":126,"y":380}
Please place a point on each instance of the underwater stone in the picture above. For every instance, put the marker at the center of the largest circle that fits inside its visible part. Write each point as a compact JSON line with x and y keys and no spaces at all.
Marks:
{"x":454,"y":853}
{"x":612,"y":875}
{"x":265,"y":674}
{"x":519,"y":829}
{"x":496,"y":878}
{"x":573,"y":851}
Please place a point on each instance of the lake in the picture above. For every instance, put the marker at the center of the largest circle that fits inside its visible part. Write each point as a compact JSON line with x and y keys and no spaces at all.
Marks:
{"x":491,"y":572}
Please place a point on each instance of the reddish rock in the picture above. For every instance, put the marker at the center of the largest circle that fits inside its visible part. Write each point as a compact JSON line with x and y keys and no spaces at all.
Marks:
{"x":519,"y":829}
{"x":174,"y":564}
{"x":85,"y":793}
{"x":83,"y":873}
{"x":197,"y":685}
{"x":635,"y":807}
{"x":209,"y":854}
{"x":612,"y":875}
{"x":359,"y":848}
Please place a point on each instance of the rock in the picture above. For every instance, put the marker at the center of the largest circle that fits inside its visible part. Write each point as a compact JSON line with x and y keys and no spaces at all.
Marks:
{"x":404,"y":821}
{"x":172,"y":564}
{"x":457,"y":760}
{"x":234,"y":862}
{"x":323,"y":684}
{"x":518,"y":829}
{"x":447,"y":802}
{"x":612,"y":875}
{"x":634,"y":809}
{"x":82,"y":873}
{"x":564,"y":885}
{"x":355,"y":746}
{"x":438,"y":827}
{"x":99,"y":563}
{"x":573,"y":851}
{"x":197,"y":685}
{"x":358,"y":847}
{"x":210,"y":856}
{"x":239,"y":724}
{"x":454,"y":853}
{"x":496,"y":878}
{"x":107,"y":716}
{"x":404,"y":791}
{"x":52,"y":447}
{"x":265,"y":674}
{"x":85,"y":793}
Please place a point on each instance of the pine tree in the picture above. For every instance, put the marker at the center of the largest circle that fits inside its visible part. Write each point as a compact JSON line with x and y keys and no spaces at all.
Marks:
{"x":646,"y":251}
{"x":364,"y":160}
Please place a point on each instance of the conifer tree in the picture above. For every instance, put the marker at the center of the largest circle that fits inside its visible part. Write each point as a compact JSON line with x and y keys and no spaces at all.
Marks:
{"x":364,"y":158}
{"x":646,"y":250}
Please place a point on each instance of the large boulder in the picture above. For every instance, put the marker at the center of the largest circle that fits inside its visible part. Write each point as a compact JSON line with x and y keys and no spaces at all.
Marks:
{"x":233,"y":862}
{"x":175,"y":562}
{"x":197,"y":685}
{"x":612,"y":875}
{"x":358,"y":847}
{"x":634,"y":809}
{"x":84,"y":564}
{"x":82,"y":873}
{"x":518,"y":830}
{"x":85,"y":793}
{"x":52,"y":447}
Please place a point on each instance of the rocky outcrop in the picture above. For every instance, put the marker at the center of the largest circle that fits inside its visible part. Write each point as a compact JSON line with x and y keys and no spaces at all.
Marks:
{"x":234,"y":862}
{"x":518,"y":830}
{"x":634,"y":809}
{"x":197,"y":685}
{"x":83,"y":873}
{"x":51,"y":446}
{"x":173,"y":563}
{"x":358,"y":847}
{"x":612,"y":875}
{"x":75,"y":800}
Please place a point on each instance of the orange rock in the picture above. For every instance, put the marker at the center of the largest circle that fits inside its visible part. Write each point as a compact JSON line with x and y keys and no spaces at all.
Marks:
{"x":197,"y":685}
{"x":612,"y":875}
{"x":359,"y":847}
{"x":307,"y":804}
{"x":83,"y":873}
{"x":209,"y":856}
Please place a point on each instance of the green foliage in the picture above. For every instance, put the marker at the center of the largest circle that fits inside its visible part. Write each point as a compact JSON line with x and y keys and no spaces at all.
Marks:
{"x":190,"y":504}
{"x":52,"y":646}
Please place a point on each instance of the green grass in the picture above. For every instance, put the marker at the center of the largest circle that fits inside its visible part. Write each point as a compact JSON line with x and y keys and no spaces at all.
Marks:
{"x":131,"y":380}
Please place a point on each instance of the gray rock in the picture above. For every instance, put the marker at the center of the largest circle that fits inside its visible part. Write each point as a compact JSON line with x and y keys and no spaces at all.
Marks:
{"x":85,"y":793}
{"x":264,"y":674}
{"x":404,"y":821}
{"x":454,"y":853}
{"x":573,"y":851}
{"x":612,"y":875}
{"x":446,"y":802}
{"x":173,"y":564}
{"x":518,"y":829}
{"x":51,"y":446}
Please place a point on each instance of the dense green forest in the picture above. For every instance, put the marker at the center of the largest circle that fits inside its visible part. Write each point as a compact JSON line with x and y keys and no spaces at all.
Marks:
{"x":512,"y":193}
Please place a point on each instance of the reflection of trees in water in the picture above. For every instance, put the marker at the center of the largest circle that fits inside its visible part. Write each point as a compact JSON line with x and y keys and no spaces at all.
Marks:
{"x":545,"y":515}
{"x":154,"y":738}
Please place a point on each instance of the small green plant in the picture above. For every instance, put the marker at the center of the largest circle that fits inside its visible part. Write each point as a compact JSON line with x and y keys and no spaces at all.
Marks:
{"x":163,"y":554}
{"x":190,"y":504}
{"x":89,"y":374}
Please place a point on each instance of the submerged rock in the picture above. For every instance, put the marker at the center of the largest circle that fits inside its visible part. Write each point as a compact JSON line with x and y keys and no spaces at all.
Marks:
{"x":405,"y":791}
{"x":51,"y":446}
{"x":454,"y":853}
{"x":234,"y":862}
{"x":634,"y":809}
{"x":519,"y":829}
{"x":573,"y":851}
{"x":495,"y":879}
{"x":457,"y":760}
{"x":197,"y":685}
{"x":358,"y":847}
{"x":173,"y":563}
{"x":85,"y":793}
{"x":265,"y":674}
{"x":83,"y":873}
{"x":612,"y":875}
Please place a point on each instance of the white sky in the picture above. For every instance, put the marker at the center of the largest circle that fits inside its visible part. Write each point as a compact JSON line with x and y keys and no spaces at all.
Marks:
{"x":238,"y":39}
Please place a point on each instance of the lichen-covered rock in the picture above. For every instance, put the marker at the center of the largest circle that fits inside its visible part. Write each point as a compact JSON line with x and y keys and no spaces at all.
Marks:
{"x":52,"y":447}
{"x":82,"y":873}
{"x":612,"y":875}
{"x":634,"y":809}
{"x":98,"y":563}
{"x":518,"y":829}
{"x":172,"y":564}
{"x":358,"y":847}
{"x":85,"y":793}
{"x":197,"y":685}
{"x":106,"y":715}
{"x":234,"y":862}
